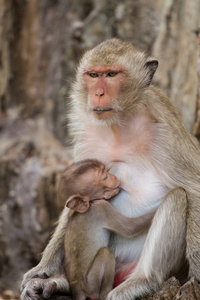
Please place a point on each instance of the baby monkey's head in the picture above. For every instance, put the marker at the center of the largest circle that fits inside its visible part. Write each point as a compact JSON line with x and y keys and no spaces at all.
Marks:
{"x":85,"y":181}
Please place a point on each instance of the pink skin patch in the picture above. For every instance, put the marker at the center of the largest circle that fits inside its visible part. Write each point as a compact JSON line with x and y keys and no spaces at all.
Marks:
{"x":121,"y":276}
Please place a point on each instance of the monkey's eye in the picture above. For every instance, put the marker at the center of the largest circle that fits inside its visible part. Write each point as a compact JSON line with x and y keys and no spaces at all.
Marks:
{"x":93,"y":74}
{"x":112,"y":74}
{"x":104,"y":175}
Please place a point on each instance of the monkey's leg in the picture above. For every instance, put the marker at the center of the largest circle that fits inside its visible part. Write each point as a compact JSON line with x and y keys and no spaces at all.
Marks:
{"x":100,"y":276}
{"x":193,"y":238}
{"x":163,"y":251}
{"x":37,"y":279}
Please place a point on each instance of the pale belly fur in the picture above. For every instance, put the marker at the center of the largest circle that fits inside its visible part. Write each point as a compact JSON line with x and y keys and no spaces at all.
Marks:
{"x":142,"y":192}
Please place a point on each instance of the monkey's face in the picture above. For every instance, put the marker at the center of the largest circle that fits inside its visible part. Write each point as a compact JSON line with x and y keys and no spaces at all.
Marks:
{"x":102,"y":184}
{"x":103,"y":85}
{"x":109,"y":79}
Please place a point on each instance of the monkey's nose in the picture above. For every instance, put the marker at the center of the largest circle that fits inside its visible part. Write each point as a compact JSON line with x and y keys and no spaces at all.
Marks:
{"x":99,"y":92}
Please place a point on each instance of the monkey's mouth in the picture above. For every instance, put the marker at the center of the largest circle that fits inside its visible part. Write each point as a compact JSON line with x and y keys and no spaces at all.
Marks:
{"x":100,"y":110}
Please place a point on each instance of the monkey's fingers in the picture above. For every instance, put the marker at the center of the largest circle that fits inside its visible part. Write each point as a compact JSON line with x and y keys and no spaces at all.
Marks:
{"x":27,"y":277}
{"x":33,"y":289}
{"x":58,"y":284}
{"x":31,"y":274}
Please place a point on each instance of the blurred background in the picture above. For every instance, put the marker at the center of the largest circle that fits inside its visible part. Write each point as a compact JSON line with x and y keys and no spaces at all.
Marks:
{"x":41,"y":42}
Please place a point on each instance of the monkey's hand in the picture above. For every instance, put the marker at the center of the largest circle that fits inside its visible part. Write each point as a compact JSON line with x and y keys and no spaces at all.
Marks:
{"x":36,"y":272}
{"x":35,"y":288}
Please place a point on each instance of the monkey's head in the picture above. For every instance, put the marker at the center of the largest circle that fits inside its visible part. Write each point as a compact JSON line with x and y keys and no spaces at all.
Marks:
{"x":110,"y":78}
{"x":86,"y":181}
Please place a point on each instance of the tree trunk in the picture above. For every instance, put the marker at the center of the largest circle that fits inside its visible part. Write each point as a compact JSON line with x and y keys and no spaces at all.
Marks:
{"x":32,"y":67}
{"x":177,"y":73}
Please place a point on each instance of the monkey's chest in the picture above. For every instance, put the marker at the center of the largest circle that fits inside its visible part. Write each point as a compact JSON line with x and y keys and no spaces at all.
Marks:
{"x":142,"y":187}
{"x":117,"y":143}
{"x":142,"y":190}
{"x":108,"y":151}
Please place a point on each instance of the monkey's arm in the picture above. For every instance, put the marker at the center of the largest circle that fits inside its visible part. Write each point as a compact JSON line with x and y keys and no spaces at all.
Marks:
{"x":51,"y":263}
{"x":137,"y":224}
{"x":126,"y":226}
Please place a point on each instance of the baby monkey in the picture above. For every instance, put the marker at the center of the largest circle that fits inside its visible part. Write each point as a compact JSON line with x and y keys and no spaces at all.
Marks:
{"x":89,"y":263}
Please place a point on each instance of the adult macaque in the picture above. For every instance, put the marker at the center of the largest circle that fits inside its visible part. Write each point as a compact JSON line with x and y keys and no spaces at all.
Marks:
{"x":119,"y":118}
{"x":89,"y":264}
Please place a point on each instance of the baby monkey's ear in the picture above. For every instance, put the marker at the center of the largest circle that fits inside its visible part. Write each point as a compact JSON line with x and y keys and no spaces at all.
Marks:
{"x":78,"y":203}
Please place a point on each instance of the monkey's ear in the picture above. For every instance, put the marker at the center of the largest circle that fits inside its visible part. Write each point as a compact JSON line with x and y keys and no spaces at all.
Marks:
{"x":78,"y":203}
{"x":151,"y":65}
